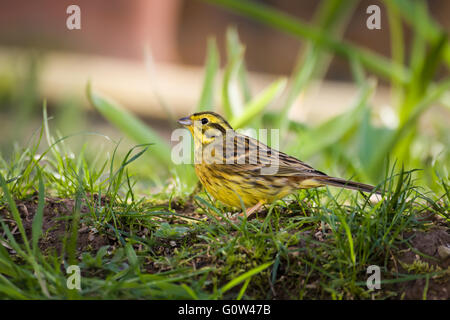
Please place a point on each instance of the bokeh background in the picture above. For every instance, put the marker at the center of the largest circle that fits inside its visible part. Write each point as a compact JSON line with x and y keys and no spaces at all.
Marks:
{"x":149,"y":56}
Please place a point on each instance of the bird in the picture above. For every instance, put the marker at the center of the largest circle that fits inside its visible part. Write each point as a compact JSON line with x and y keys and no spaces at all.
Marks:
{"x":239,"y":170}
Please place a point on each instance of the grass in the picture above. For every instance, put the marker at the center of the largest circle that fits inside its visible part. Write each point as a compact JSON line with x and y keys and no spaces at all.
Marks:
{"x":170,"y":240}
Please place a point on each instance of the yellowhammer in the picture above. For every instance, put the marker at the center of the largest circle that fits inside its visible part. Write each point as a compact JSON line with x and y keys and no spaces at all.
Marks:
{"x":237,"y":169}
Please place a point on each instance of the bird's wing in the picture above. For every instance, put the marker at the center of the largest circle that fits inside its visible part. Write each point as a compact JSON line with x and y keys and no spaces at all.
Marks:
{"x":258,"y":156}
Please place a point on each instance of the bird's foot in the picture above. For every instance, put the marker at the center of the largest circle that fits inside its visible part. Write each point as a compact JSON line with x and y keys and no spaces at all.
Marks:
{"x":247,"y":213}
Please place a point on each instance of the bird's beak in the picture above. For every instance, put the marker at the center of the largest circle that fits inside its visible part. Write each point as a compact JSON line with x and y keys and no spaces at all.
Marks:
{"x":186,"y":121}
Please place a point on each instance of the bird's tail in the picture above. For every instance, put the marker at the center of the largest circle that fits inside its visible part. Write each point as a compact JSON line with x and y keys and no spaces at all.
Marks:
{"x":347,"y":184}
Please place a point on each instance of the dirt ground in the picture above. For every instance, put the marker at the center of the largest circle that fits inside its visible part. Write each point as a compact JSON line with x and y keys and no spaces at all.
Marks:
{"x":55,"y":226}
{"x":430,"y":244}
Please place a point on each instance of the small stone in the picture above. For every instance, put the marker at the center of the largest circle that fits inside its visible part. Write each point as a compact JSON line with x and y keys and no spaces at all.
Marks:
{"x":319,"y":235}
{"x":444,"y":252}
{"x":375,"y":198}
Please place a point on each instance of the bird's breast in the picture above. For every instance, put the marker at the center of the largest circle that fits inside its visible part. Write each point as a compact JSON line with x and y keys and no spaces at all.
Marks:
{"x":231,"y":187}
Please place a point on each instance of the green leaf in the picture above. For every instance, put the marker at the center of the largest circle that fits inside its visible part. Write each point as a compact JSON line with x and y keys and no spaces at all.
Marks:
{"x":418,"y":17}
{"x":132,"y":257}
{"x":330,"y":16}
{"x":369,"y":136}
{"x":259,"y":103}
{"x":234,"y":47}
{"x":206,"y":101}
{"x":329,"y":132}
{"x":232,"y":102}
{"x":387,"y":145}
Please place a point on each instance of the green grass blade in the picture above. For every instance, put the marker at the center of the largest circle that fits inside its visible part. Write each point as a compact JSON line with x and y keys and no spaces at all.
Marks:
{"x":348,"y":233}
{"x":416,"y":15}
{"x":37,"y":220}
{"x":14,"y":212}
{"x":73,"y":237}
{"x":206,"y":101}
{"x":190,"y":291}
{"x":10,"y":290}
{"x":232,"y":103}
{"x":331,"y":16}
{"x":397,"y":46}
{"x":234,"y":46}
{"x":259,"y":103}
{"x":244,"y":277}
{"x":244,"y":287}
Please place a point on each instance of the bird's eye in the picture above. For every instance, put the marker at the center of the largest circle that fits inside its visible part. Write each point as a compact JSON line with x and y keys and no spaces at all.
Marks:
{"x":204,"y":121}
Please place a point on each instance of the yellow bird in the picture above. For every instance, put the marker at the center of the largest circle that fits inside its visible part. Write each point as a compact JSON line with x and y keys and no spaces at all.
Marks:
{"x":237,"y":169}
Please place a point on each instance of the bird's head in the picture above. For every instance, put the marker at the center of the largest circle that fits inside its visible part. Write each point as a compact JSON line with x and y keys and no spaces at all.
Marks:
{"x":206,"y":126}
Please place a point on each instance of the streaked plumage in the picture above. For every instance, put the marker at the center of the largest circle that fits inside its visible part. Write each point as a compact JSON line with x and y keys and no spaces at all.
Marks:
{"x":238,"y":174}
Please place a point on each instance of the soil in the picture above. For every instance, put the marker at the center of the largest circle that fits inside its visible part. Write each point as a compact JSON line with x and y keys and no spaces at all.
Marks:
{"x":55,"y":225}
{"x":428,"y":244}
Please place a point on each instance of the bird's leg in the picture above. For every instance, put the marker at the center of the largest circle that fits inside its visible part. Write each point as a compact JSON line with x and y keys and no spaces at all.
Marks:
{"x":253,"y":209}
{"x":248,"y":212}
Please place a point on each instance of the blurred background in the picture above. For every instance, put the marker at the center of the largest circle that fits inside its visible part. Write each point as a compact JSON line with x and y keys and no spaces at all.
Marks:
{"x":149,"y":56}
